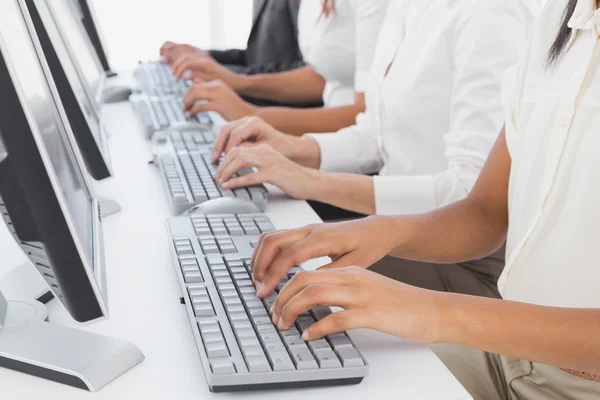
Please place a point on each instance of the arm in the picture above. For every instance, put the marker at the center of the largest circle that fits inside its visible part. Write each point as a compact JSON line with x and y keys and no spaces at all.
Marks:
{"x":300,"y":85}
{"x":229,"y":57}
{"x":300,"y":121}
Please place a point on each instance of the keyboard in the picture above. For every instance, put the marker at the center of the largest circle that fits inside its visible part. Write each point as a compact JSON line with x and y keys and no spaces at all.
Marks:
{"x":156,"y":79}
{"x":159,"y":113}
{"x":239,"y":347}
{"x":188,"y":178}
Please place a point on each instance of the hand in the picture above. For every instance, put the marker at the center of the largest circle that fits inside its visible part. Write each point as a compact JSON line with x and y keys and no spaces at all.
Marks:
{"x":360,"y":242}
{"x":218,"y":97}
{"x":252,"y":131}
{"x":369,"y":301}
{"x":205,"y":69}
{"x":273,"y":167}
{"x":170,"y":51}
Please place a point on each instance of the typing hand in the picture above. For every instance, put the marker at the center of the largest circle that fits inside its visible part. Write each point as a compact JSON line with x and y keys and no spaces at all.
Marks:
{"x":205,"y":69}
{"x":251,"y":131}
{"x":170,"y":51}
{"x":360,"y":242}
{"x":369,"y":301}
{"x":272,"y":167}
{"x":216,"y":96}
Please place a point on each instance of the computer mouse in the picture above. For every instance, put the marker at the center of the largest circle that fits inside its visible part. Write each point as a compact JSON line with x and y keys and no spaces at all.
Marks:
{"x":115,"y":94}
{"x":224,"y":205}
{"x":188,"y":126}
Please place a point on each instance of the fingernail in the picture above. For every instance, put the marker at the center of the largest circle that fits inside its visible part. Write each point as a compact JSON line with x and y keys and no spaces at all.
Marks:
{"x":280,"y":324}
{"x":259,"y":286}
{"x":305,"y":336}
{"x":272,"y":309}
{"x":226,"y":185}
{"x":275,"y":318}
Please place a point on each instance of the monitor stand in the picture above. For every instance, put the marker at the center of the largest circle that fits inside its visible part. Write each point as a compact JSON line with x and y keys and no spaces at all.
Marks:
{"x":115,"y":92}
{"x":85,"y":360}
{"x":108,"y":206}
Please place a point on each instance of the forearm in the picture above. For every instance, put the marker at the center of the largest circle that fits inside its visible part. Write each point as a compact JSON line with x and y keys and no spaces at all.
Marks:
{"x":351,"y":192}
{"x":566,"y":338}
{"x":463,"y":231}
{"x":302,"y":85}
{"x":310,"y":120}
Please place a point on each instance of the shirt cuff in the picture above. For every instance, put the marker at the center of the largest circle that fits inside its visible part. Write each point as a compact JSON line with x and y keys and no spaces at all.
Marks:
{"x":396,"y":195}
{"x":335,"y":157}
{"x":361,"y":79}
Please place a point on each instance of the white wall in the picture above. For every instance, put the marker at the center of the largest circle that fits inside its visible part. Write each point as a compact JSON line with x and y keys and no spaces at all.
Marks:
{"x":135,"y":29}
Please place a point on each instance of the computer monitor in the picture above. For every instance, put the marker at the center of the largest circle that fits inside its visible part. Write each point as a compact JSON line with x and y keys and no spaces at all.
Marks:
{"x":50,"y":209}
{"x":80,"y":48}
{"x":90,"y":22}
{"x":83,"y":118}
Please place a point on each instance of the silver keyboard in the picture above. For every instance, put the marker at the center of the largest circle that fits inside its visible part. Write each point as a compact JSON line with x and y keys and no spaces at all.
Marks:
{"x":156,"y":79}
{"x":160,"y":113}
{"x":188,"y":178}
{"x":239,"y":347}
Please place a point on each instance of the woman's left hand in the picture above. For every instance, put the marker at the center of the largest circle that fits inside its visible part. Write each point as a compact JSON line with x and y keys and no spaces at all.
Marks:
{"x":272,"y":167}
{"x":369,"y":301}
{"x":205,"y":69}
{"x":218,"y":97}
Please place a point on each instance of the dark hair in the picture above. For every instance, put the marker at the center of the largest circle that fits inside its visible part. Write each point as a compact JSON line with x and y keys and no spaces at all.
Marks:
{"x":564,"y":34}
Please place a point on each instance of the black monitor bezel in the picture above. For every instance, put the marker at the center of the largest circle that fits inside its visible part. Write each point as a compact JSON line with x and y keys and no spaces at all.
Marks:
{"x":95,"y":161}
{"x":30,"y":201}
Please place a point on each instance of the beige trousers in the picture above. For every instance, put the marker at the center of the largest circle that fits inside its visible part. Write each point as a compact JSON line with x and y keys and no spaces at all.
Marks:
{"x":493,"y":377}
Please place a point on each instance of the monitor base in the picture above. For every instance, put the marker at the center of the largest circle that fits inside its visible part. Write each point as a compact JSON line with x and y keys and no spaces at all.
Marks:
{"x":115,"y":94}
{"x":70,"y":356}
{"x":25,"y":282}
{"x":108,"y":206}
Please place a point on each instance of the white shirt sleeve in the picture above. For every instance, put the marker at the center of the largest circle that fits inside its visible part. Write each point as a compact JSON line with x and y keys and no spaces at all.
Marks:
{"x":484,"y":49}
{"x":353,"y":149}
{"x":368,"y":19}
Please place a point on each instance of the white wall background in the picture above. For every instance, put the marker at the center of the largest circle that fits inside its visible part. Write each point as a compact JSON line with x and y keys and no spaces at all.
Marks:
{"x":134,"y":29}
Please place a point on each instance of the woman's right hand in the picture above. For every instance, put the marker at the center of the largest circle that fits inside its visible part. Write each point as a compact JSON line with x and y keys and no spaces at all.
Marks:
{"x":251,"y":131}
{"x":170,"y":51}
{"x":361,"y":242}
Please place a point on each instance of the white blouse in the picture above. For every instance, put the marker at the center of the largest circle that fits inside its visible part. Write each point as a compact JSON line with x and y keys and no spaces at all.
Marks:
{"x":553,"y":135}
{"x":431,"y":122}
{"x":341,"y":47}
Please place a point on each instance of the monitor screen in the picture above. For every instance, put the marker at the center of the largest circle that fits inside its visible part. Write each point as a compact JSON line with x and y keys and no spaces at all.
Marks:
{"x":82,"y":115}
{"x":90,"y":22}
{"x":29,"y":78}
{"x":78,"y":43}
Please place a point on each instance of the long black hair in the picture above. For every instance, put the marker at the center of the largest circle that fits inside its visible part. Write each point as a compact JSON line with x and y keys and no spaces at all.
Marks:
{"x":564,"y":33}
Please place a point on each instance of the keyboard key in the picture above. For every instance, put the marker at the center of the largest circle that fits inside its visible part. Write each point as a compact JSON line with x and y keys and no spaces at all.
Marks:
{"x":208,"y":326}
{"x":252,"y":351}
{"x":303,"y":358}
{"x":320,"y":344}
{"x":327,"y":359}
{"x":258,"y":364}
{"x":281,"y":361}
{"x":350,"y":357}
{"x":217,"y":350}
{"x":222,"y":366}
{"x":339,"y":340}
{"x":202,"y":310}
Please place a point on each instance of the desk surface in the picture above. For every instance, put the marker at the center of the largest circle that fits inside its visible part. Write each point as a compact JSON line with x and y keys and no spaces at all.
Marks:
{"x":144,"y":300}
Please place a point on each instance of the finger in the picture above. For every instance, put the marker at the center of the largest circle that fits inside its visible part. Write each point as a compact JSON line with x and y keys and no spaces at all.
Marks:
{"x":309,"y":297}
{"x":223,"y":137}
{"x":203,"y":107}
{"x":269,"y":245}
{"x":341,"y":262}
{"x":166,"y":46}
{"x":243,"y":133}
{"x":337,"y":322}
{"x":288,"y":257}
{"x":255,"y":178}
{"x":196,"y":93}
{"x":235,"y":161}
{"x":302,"y":280}
{"x":182,"y":64}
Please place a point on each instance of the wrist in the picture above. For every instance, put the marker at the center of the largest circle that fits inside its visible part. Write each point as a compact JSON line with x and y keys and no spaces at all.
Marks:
{"x":318,"y":185}
{"x":304,"y":151}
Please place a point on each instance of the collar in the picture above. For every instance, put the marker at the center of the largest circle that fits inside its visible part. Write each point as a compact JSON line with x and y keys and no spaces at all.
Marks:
{"x":582,"y":16}
{"x":582,"y":19}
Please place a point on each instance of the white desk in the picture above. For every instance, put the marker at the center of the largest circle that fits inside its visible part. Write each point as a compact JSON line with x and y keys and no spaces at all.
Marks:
{"x":144,"y":302}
